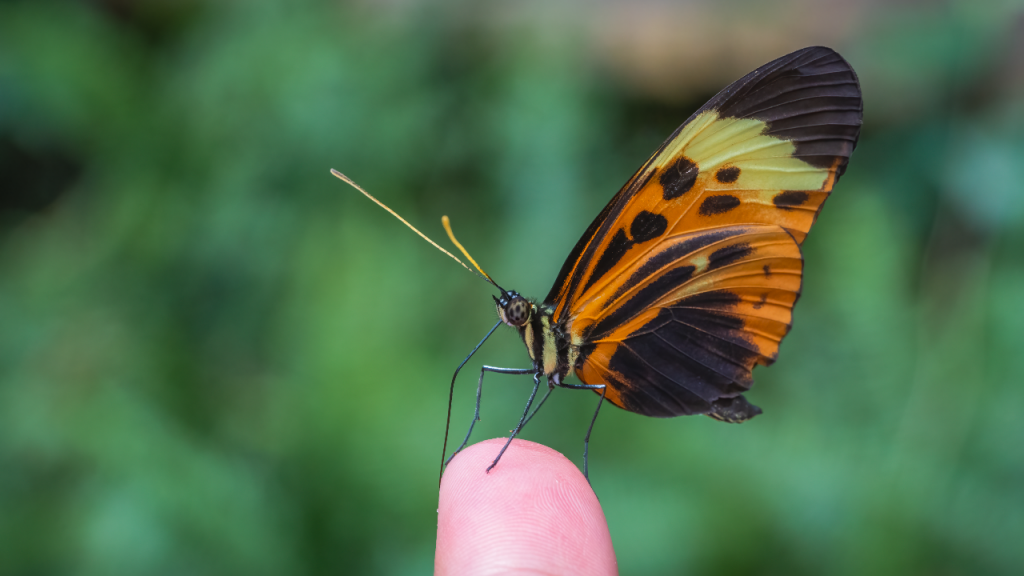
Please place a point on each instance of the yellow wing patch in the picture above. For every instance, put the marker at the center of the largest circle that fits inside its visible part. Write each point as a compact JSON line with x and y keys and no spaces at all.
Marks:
{"x":745,"y":170}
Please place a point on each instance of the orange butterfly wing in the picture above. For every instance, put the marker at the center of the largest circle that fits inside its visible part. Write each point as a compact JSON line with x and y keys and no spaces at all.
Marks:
{"x":641,"y":298}
{"x":691,"y":318}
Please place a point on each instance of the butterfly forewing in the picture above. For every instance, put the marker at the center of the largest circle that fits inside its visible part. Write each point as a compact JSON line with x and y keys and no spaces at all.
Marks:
{"x":766,"y":150}
{"x":688,"y":277}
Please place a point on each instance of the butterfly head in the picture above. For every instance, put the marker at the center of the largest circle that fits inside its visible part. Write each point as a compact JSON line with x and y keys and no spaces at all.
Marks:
{"x":513,"y":309}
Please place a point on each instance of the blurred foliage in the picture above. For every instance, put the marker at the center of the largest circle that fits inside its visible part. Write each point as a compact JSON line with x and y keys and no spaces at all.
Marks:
{"x":217,"y":359}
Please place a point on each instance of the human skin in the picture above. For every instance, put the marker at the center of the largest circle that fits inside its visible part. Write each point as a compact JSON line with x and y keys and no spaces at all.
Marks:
{"x":534,"y":513}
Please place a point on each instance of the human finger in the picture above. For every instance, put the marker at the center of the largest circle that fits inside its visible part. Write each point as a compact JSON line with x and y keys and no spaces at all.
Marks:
{"x":534,"y":512}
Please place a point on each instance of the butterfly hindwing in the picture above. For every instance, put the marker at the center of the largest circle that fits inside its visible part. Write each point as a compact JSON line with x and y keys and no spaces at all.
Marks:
{"x":691,"y":319}
{"x":766,"y":150}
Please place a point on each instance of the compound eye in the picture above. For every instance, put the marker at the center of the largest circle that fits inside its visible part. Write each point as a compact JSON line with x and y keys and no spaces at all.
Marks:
{"x":517,"y":312}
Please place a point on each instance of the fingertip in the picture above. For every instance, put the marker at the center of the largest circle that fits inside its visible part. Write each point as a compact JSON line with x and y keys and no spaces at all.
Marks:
{"x":534,"y":511}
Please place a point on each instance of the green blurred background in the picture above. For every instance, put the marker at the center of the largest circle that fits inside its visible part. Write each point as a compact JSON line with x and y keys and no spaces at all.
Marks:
{"x":217,"y":359}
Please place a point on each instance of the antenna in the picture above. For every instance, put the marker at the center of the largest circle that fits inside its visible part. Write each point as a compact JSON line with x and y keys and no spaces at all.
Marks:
{"x":451,"y":236}
{"x":444,"y":220}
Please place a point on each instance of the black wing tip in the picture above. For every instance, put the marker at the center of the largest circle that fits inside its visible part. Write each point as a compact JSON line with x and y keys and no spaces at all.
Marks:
{"x":782,"y":92}
{"x":818,"y":51}
{"x":816,"y":48}
{"x":846,"y":67}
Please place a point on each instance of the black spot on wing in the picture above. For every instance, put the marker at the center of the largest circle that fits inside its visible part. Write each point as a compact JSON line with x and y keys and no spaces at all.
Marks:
{"x":760,"y":303}
{"x":728,"y":174}
{"x":790,"y":198}
{"x":678,"y":178}
{"x":719,"y":204}
{"x":647,"y":226}
{"x":728,"y":255}
{"x":767,"y":271}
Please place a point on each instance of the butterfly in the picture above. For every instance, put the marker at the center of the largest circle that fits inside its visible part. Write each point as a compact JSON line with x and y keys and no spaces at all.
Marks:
{"x":687,"y":279}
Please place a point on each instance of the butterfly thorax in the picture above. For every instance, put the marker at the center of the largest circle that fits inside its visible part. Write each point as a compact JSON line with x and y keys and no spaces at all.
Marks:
{"x":546,"y":341}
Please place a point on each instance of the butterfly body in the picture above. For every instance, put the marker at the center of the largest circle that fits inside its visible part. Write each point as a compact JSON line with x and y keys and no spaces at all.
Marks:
{"x":546,"y":342}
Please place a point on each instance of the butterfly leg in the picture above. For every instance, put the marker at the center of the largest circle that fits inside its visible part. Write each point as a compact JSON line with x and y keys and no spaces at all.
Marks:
{"x":586,"y":441}
{"x":479,"y":390}
{"x":551,"y":387}
{"x":522,"y":421}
